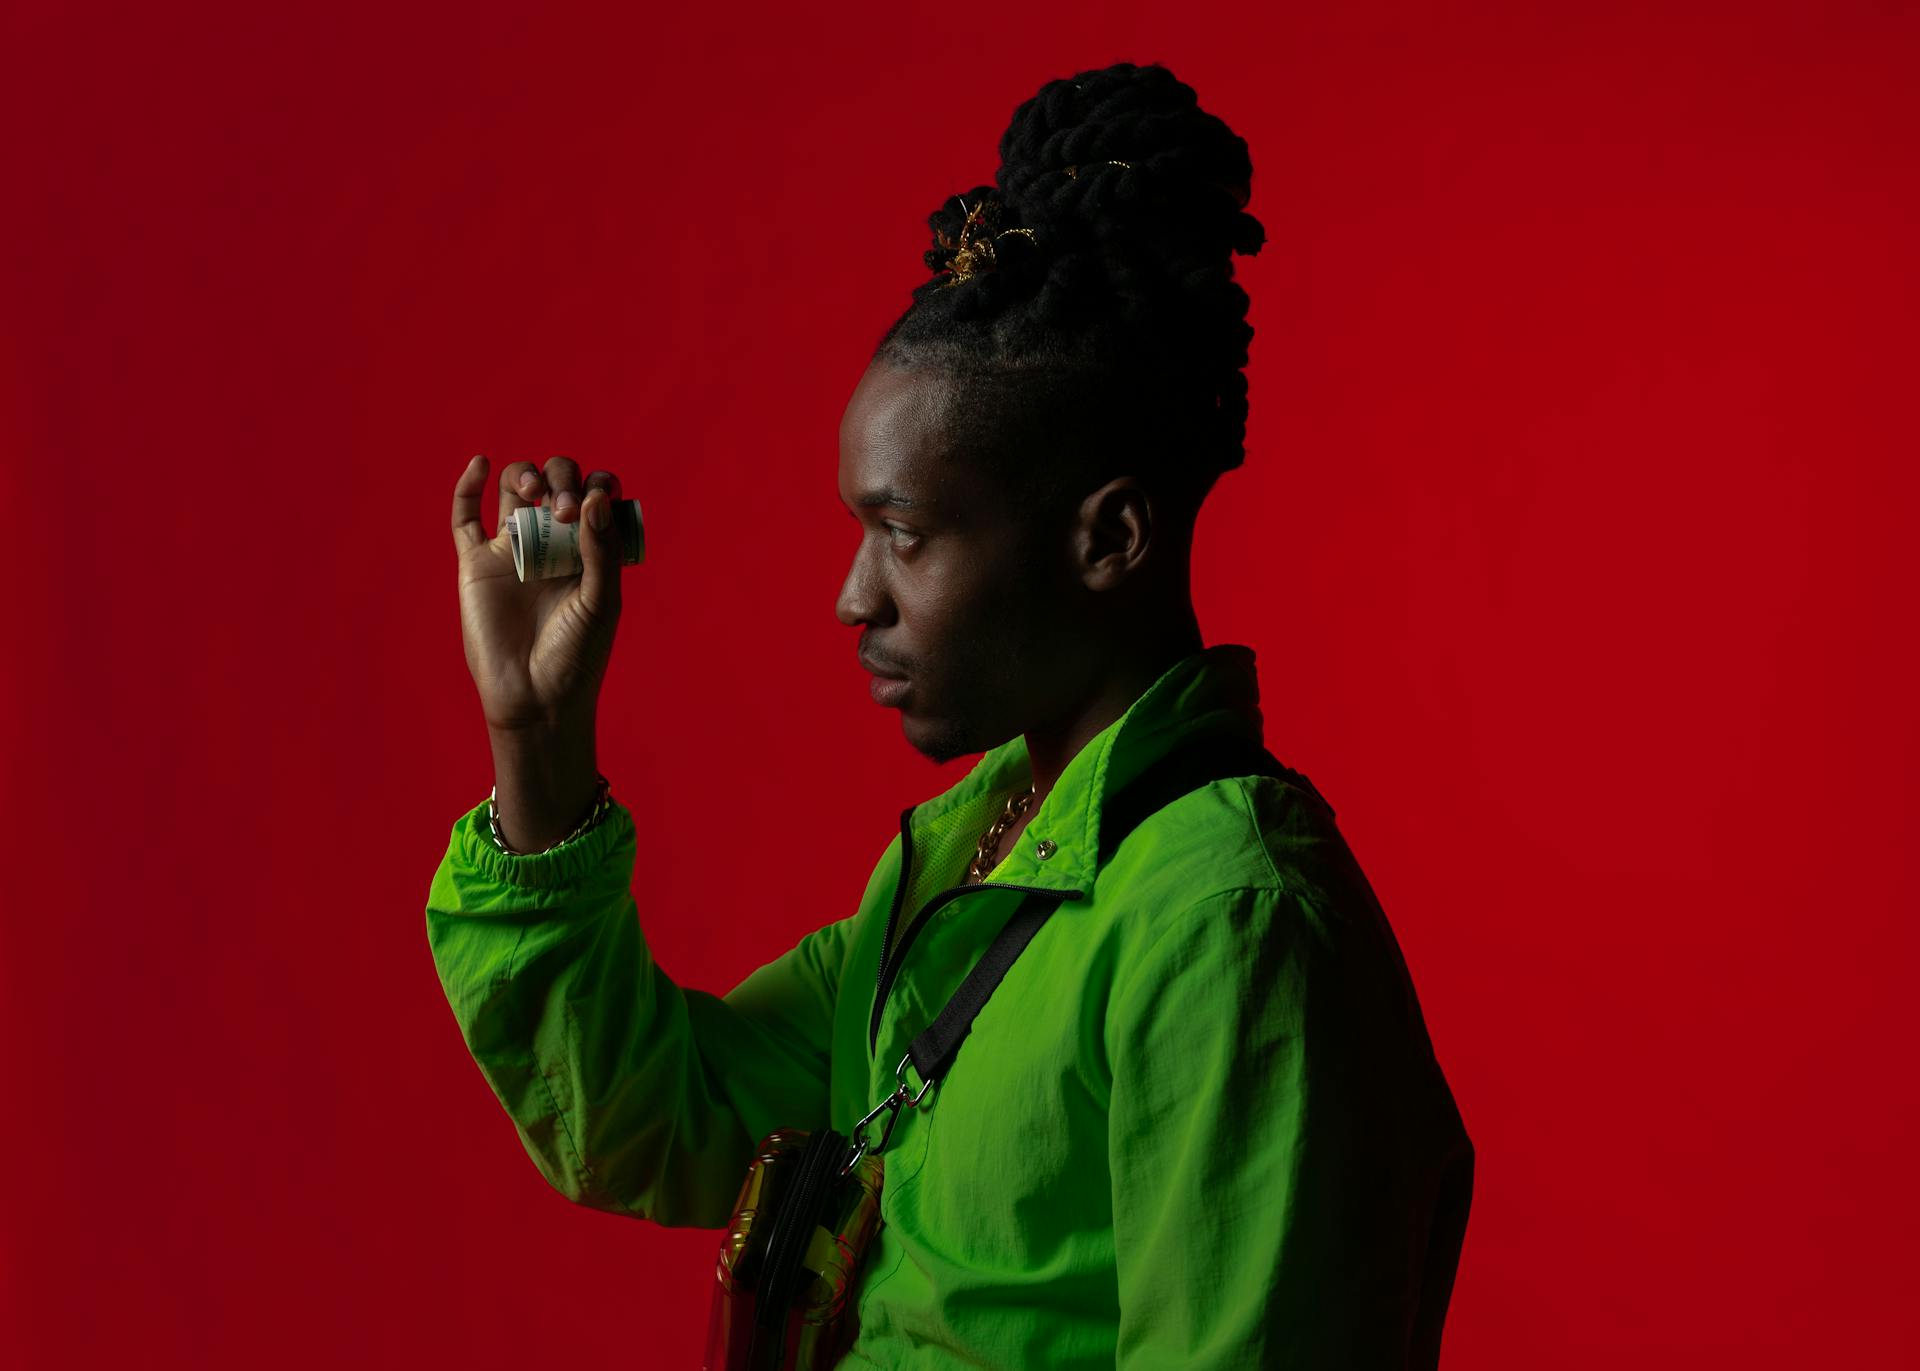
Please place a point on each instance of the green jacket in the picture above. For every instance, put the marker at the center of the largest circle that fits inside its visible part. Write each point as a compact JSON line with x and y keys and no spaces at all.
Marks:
{"x":1200,"y":1124}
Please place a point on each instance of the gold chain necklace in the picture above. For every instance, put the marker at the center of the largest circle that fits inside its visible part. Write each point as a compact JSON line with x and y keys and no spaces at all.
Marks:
{"x":983,"y":861}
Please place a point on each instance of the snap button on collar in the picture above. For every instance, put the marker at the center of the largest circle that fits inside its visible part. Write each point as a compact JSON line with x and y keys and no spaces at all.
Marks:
{"x":1045,"y":848}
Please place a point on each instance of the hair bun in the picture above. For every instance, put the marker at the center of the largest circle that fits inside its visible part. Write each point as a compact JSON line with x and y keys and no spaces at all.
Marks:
{"x":1187,"y":176}
{"x":1098,"y":265}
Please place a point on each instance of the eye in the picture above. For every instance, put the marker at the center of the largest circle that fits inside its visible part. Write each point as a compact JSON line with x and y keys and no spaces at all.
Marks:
{"x":907,"y":538}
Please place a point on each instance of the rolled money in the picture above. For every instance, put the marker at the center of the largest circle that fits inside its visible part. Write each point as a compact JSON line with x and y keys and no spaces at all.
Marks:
{"x":543,"y":549}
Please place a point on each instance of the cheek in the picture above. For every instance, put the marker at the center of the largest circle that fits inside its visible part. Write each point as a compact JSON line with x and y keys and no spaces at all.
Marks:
{"x":970,"y":608}
{"x":957,"y":596}
{"x":976,"y":641}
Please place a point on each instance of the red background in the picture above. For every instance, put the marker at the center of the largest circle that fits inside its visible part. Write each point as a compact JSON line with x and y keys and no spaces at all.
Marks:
{"x":1570,"y":537}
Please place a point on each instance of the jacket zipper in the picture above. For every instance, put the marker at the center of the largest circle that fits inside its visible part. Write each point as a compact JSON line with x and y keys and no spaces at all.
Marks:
{"x":890,"y":956}
{"x":893,"y":914}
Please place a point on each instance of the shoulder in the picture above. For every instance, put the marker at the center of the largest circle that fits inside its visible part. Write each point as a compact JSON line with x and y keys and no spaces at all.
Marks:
{"x":1247,"y":869}
{"x":1254,"y":834}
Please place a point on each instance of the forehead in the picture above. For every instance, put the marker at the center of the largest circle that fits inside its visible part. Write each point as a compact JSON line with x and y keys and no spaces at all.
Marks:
{"x":893,"y":447}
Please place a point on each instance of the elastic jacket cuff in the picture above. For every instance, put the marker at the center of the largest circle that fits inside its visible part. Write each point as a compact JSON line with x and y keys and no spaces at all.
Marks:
{"x":590,"y":859}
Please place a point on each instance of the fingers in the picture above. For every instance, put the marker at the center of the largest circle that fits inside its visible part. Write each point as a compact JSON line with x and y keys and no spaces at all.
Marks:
{"x":467,"y":530}
{"x":523,"y":483}
{"x":602,"y":480}
{"x":520,"y":484}
{"x":599,"y":553}
{"x":563,"y":479}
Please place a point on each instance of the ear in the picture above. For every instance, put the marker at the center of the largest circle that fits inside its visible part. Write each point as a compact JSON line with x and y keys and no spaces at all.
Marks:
{"x":1115,"y":534}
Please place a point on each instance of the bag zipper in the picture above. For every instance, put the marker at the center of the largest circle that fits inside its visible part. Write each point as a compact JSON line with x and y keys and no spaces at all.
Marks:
{"x":801,"y":1213}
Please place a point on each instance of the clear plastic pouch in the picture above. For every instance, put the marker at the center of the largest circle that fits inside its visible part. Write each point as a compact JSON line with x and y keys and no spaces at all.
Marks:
{"x":799,"y":1233}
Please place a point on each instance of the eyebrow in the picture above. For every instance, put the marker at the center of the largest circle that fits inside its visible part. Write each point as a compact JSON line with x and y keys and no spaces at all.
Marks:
{"x":887,"y":495}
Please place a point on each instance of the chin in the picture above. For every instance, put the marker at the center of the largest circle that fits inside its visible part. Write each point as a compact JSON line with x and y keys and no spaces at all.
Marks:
{"x":940,"y":740}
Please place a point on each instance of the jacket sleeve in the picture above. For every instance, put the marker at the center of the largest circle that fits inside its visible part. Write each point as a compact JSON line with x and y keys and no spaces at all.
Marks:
{"x":1267,"y":1148}
{"x":630,"y":1093}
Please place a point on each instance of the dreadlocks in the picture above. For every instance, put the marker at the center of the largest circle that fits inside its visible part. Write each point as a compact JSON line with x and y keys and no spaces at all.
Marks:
{"x":1100,"y":331}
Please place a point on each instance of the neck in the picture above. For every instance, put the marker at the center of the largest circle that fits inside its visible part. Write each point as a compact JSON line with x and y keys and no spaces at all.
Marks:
{"x":1119,"y":683}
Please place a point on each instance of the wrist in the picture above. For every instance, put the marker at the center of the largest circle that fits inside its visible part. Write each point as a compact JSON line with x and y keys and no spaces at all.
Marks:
{"x":545,"y":782}
{"x":595,"y":814}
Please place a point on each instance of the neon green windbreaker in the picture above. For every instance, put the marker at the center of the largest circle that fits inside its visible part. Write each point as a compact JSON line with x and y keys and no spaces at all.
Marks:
{"x":1200,"y":1123}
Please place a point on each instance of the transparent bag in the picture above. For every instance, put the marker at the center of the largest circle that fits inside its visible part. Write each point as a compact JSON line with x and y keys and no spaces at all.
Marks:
{"x":791,"y":1255}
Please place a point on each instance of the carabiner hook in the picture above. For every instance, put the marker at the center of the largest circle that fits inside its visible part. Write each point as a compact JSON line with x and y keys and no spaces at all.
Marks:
{"x":906,"y":1097}
{"x":900,"y":1074}
{"x":861,"y":1146}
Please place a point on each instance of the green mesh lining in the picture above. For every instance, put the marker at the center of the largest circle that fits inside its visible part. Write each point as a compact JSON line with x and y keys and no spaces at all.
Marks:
{"x":940,"y":858}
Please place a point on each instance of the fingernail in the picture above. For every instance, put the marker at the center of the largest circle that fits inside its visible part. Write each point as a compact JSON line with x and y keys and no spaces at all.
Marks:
{"x":599,"y":515}
{"x":566,"y":499}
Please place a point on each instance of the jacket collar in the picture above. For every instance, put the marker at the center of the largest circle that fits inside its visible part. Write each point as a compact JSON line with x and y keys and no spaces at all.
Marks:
{"x":1211,"y":692}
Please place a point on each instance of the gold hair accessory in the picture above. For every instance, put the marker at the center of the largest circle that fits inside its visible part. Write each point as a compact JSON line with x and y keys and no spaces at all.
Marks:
{"x":975,"y":253}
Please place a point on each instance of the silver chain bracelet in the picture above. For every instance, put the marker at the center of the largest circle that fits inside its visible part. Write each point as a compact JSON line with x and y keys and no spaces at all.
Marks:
{"x":602,"y":802}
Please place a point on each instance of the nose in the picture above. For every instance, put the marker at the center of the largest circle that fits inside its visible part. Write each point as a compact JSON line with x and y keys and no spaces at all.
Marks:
{"x":861,"y":600}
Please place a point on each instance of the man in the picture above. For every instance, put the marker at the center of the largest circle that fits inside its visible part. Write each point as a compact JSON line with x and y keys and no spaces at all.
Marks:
{"x":1199,"y":1124}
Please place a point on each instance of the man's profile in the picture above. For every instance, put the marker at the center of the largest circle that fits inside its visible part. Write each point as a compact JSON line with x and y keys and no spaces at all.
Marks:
{"x":1200,"y":1123}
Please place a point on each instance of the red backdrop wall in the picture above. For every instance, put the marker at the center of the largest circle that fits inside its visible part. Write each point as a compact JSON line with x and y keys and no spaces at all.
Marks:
{"x":1574,"y":539}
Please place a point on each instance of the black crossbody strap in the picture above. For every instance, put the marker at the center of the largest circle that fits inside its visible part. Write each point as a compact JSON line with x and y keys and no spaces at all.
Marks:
{"x":1179,"y":772}
{"x":933,"y":1051}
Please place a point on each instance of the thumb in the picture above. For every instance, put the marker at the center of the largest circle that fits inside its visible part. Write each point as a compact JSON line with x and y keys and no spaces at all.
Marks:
{"x":599,"y":555}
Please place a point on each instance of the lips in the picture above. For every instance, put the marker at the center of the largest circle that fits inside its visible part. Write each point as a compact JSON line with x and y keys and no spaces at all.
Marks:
{"x":889,"y":690}
{"x":888,"y":687}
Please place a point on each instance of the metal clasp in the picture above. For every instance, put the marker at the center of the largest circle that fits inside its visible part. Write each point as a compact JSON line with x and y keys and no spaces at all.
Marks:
{"x":900,"y":1074}
{"x":905,"y":1097}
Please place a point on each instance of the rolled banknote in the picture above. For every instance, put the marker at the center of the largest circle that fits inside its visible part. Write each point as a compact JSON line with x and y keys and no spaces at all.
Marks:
{"x":543,"y":549}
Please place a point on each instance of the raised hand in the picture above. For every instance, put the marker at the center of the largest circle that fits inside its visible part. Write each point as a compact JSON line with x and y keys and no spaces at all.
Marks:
{"x":538,"y":651}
